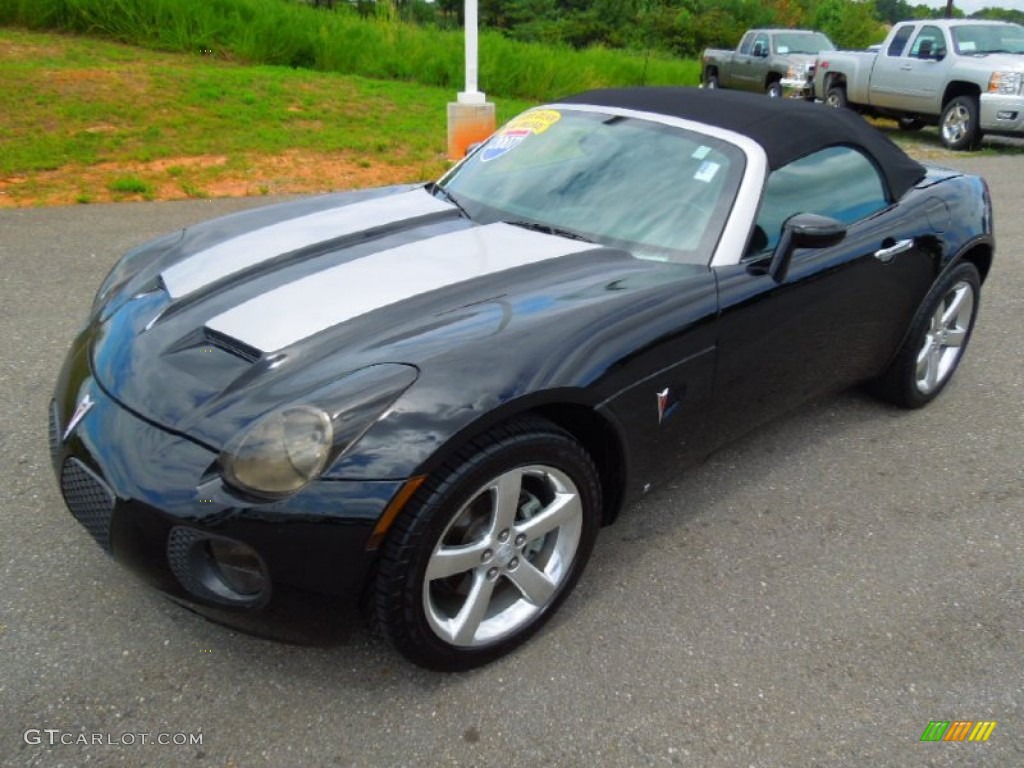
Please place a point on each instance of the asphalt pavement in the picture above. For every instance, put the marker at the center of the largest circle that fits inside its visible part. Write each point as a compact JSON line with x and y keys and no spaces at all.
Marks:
{"x":813,"y":595}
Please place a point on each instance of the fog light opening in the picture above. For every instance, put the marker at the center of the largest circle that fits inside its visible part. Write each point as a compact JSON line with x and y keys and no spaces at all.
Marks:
{"x":1006,"y":115}
{"x":238,"y":567}
{"x":217,"y":569}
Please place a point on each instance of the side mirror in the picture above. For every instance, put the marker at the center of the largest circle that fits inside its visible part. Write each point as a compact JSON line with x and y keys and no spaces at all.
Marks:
{"x":803,"y":230}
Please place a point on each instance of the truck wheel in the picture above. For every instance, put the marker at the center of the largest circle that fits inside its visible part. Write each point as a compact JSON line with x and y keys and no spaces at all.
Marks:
{"x":835,"y":97}
{"x":774,"y":90}
{"x":711,"y":81}
{"x":958,"y":125}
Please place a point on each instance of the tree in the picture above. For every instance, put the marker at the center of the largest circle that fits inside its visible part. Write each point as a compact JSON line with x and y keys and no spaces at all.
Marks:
{"x":850,"y":24}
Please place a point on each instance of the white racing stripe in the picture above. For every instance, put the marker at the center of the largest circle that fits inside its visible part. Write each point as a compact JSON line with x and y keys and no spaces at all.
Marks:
{"x":316,"y":302}
{"x":259,"y":245}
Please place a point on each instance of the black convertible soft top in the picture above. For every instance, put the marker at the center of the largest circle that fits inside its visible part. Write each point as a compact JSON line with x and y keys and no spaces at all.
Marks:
{"x":787,"y":128}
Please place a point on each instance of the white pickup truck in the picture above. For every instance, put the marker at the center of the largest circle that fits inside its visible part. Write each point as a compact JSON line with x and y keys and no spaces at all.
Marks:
{"x":965,"y":76}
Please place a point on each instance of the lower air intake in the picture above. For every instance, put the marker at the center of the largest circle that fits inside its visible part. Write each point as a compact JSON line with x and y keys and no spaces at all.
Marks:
{"x":90,"y":500}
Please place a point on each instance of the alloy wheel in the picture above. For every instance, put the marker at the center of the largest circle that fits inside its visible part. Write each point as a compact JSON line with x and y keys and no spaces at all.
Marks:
{"x":945,"y":337}
{"x":503,"y":557}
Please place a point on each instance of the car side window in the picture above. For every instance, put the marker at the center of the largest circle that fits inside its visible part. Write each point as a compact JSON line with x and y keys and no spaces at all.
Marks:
{"x":839,"y":182}
{"x":746,"y":42}
{"x":899,"y":40}
{"x":761,"y":45}
{"x":929,"y":44}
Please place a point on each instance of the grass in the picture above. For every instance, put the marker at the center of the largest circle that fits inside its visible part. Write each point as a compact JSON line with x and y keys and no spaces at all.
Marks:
{"x":293,"y":34}
{"x":125,"y":186}
{"x":84,"y":120}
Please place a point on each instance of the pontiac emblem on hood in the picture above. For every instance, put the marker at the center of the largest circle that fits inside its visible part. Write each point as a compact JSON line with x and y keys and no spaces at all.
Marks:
{"x":83,"y":407}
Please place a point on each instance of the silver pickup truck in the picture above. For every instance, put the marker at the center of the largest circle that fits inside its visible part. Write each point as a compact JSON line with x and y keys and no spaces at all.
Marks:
{"x":764,"y":59}
{"x":964,"y":76}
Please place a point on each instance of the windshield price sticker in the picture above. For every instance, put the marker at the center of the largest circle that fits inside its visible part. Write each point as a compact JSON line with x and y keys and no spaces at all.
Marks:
{"x":516,"y":131}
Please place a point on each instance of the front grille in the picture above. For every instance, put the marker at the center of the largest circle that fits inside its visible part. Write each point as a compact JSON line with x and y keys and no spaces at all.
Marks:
{"x":54,"y":429}
{"x":90,"y":500}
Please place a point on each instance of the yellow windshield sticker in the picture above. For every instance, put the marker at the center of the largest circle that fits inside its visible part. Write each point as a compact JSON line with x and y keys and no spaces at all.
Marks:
{"x":535,"y":121}
{"x":516,"y":130}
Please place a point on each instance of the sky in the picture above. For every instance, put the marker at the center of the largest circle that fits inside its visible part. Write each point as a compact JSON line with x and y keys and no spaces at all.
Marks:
{"x":970,"y":6}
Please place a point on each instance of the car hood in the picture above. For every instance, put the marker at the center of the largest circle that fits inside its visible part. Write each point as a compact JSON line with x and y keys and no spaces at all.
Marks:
{"x":232,"y":318}
{"x":802,"y":60}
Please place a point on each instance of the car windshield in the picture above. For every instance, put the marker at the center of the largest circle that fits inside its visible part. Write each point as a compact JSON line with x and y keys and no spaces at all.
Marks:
{"x":978,"y":39}
{"x":802,"y":42}
{"x":658,"y":191}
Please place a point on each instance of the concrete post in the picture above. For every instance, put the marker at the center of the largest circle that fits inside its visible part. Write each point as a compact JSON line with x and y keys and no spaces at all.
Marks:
{"x":471,"y":118}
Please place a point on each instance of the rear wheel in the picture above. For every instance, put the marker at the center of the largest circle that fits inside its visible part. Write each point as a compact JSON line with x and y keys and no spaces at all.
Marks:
{"x":936,"y":341}
{"x":958,"y":125}
{"x":835,"y":97}
{"x":490,"y":547}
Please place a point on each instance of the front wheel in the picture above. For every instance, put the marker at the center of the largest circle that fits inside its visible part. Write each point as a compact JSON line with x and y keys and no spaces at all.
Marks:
{"x":711,"y":81}
{"x":958,"y":125}
{"x":489,"y":548}
{"x":936,"y":341}
{"x":774,"y":90}
{"x":835,"y":97}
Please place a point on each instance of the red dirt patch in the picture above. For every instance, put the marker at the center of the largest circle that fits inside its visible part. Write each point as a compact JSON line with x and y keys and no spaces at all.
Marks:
{"x":175,"y":178}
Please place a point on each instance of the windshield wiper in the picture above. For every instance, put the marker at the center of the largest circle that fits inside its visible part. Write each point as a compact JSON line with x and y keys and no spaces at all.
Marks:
{"x":433,"y":188}
{"x":548,"y":229}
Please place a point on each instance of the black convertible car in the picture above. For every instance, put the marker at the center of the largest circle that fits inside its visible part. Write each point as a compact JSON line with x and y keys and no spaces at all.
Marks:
{"x":426,"y":400}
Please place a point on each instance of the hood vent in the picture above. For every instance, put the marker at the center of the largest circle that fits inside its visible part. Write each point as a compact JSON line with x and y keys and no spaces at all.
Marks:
{"x":232,"y":346}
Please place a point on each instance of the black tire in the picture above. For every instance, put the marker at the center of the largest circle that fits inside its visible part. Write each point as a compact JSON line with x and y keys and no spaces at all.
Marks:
{"x":456,"y":525}
{"x":835,"y":97}
{"x":903,"y":382}
{"x":774,"y":90}
{"x":958,"y":125}
{"x":711,"y":81}
{"x":910,"y":124}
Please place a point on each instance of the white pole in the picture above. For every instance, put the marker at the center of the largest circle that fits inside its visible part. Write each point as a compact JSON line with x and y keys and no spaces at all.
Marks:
{"x":470,"y":116}
{"x":471,"y":95}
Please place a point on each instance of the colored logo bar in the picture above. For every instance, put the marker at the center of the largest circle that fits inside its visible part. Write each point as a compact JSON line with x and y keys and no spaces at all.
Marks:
{"x":958,"y":730}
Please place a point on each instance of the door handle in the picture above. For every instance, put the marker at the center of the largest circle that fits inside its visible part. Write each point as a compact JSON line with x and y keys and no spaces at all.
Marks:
{"x":907,"y":67}
{"x":885,"y":255}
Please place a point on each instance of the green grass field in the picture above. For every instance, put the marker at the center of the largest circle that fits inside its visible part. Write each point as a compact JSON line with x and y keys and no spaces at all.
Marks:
{"x":86,"y":120}
{"x":292,"y":33}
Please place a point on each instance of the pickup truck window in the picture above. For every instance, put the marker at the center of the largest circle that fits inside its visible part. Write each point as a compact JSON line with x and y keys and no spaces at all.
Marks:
{"x":761,"y":45}
{"x":980,"y":39}
{"x":812,"y":185}
{"x":899,"y":40}
{"x":801,"y":42}
{"x":929,"y":44}
{"x":746,"y":42}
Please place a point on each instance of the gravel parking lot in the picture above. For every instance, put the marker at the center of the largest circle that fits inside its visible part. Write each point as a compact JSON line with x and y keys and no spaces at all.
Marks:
{"x":813,"y":595}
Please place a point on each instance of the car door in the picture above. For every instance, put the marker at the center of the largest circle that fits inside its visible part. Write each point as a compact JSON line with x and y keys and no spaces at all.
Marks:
{"x":888,"y":87}
{"x":839,"y":313}
{"x":749,"y":71}
{"x":926,"y":70}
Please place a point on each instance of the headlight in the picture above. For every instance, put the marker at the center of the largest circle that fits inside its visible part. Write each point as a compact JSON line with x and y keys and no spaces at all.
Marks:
{"x":1005,"y":82}
{"x":290,"y":446}
{"x":283,"y":452}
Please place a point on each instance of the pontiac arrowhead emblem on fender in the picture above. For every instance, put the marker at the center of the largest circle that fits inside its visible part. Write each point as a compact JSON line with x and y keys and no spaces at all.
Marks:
{"x":81,"y":409}
{"x":662,"y":404}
